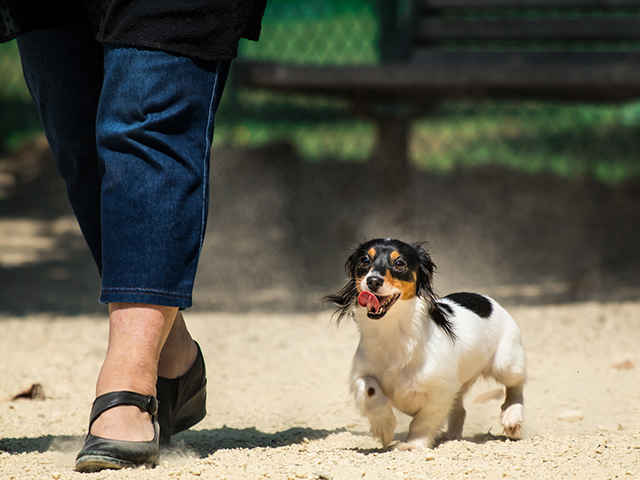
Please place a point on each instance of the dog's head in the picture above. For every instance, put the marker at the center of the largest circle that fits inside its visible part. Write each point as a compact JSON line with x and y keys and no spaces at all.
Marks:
{"x":383,"y":272}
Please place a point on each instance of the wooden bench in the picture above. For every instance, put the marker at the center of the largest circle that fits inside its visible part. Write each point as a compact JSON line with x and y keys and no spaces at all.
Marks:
{"x":571,"y":50}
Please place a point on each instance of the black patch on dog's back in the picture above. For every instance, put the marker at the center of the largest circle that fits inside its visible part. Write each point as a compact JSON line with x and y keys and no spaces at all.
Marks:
{"x":478,"y":304}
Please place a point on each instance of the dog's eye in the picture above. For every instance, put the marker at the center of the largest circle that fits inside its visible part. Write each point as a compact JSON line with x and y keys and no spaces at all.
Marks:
{"x":400,"y":264}
{"x":365,"y":261}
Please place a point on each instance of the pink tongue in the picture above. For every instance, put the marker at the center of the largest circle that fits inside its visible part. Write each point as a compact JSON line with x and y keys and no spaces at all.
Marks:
{"x":369,"y":300}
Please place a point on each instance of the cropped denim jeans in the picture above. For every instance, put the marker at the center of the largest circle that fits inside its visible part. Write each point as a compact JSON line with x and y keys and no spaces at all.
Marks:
{"x":131,"y":132}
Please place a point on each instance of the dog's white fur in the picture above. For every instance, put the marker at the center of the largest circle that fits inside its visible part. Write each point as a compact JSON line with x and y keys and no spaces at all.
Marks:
{"x":404,"y":360}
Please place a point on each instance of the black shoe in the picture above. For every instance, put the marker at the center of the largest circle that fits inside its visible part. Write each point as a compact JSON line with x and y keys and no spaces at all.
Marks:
{"x":100,"y":453}
{"x":183,"y":400}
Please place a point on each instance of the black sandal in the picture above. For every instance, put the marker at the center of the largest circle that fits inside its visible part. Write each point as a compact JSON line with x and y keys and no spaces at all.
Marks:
{"x":183,"y":400}
{"x":100,"y":453}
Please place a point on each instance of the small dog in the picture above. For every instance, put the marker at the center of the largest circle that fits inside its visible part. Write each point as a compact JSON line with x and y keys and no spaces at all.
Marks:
{"x":420,"y":353}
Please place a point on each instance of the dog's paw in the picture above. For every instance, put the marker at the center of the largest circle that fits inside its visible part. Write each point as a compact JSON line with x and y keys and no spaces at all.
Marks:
{"x":415,"y":444}
{"x":383,"y":427}
{"x":450,"y":436}
{"x":512,"y":418}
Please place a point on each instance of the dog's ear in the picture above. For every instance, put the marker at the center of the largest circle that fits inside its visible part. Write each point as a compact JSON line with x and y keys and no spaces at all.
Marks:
{"x":344,"y":298}
{"x":350,"y":264}
{"x":424,"y":289}
{"x":426,"y":269}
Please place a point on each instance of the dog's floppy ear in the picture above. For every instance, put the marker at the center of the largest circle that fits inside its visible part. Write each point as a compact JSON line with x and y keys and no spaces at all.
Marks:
{"x":426,"y":268}
{"x":350,"y":264}
{"x":344,"y":298}
{"x":424,"y":289}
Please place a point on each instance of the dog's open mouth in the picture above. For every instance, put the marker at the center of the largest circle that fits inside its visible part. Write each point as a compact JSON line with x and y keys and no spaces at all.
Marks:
{"x":376,"y":305}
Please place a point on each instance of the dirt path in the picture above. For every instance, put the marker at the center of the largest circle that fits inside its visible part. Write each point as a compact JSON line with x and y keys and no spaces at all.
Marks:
{"x":279,"y":406}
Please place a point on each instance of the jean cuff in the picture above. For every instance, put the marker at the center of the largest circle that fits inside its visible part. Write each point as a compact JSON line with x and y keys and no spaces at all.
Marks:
{"x":148,"y":296}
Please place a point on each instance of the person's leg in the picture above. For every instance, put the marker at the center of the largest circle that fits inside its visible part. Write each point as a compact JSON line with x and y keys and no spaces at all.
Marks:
{"x":154,"y":135}
{"x":154,"y":130}
{"x":63,"y":70}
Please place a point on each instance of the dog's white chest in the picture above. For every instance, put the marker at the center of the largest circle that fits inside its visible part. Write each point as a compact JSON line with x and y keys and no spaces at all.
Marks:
{"x":407,"y":400}
{"x":399,"y":380}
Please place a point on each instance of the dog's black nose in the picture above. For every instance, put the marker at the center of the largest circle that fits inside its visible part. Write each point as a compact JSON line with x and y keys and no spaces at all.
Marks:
{"x":374,"y":283}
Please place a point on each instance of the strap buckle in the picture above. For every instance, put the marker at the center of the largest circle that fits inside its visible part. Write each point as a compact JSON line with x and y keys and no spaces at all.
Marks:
{"x":152,"y":405}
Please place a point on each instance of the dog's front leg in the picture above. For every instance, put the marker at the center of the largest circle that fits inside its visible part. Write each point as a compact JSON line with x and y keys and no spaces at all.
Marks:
{"x":376,"y":406}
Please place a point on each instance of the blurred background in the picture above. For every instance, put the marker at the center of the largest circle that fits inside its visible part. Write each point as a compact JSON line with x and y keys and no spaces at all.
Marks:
{"x":529,"y":201}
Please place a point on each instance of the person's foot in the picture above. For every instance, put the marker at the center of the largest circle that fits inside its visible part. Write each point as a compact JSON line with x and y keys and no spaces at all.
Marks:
{"x":99,"y":453}
{"x":125,"y":422}
{"x":182,"y":400}
{"x":182,"y":382}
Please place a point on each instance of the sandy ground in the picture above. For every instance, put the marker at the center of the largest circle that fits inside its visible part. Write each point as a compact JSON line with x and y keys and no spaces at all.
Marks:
{"x":279,"y":406}
{"x":561,"y":254}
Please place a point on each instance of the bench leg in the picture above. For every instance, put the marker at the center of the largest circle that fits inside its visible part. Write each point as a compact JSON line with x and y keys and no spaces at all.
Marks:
{"x":391,"y":152}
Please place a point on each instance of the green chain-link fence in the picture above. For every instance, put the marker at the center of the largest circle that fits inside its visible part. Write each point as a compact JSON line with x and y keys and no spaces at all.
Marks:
{"x":312,"y":32}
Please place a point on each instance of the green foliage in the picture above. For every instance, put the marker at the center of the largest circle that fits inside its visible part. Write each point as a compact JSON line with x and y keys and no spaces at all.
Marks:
{"x":567,"y":140}
{"x":18,"y":117}
{"x":12,"y":84}
{"x":562,"y":139}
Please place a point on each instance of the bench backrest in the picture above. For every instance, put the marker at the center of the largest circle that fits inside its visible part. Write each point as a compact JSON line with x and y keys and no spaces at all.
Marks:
{"x":522,"y":25}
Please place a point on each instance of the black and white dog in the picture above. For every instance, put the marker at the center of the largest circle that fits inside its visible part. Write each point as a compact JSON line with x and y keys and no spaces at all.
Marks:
{"x":420,"y":353}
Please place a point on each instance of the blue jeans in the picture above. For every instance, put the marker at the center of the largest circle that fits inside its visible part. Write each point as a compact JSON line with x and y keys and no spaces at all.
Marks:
{"x":131,"y":132}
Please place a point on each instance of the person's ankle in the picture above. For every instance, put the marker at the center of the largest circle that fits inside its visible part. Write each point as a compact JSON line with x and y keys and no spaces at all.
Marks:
{"x":175,"y":362}
{"x":179,"y":351}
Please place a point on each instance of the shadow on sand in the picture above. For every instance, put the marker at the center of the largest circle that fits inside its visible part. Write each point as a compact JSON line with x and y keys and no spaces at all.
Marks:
{"x":205,"y":442}
{"x":478,"y":438}
{"x":44,"y":443}
{"x":202,"y":442}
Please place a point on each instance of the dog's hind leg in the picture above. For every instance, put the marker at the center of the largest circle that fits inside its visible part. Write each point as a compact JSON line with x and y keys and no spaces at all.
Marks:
{"x":509,"y":368}
{"x":376,"y":406}
{"x":458,"y":414}
{"x":513,"y":411}
{"x":456,"y":420}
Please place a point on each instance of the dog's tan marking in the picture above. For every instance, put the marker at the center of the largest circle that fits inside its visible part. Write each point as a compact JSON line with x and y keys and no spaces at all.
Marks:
{"x":408,"y":288}
{"x":395,"y":254}
{"x":372,"y":252}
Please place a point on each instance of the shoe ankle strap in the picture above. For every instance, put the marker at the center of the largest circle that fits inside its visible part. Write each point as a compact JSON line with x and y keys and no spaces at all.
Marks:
{"x":146,"y":403}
